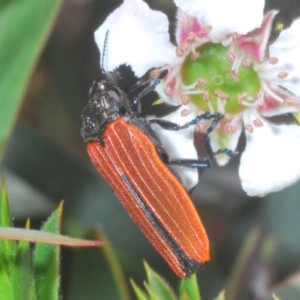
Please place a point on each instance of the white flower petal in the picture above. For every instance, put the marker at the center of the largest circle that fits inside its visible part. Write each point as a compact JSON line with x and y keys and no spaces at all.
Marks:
{"x":271,"y":160}
{"x":180,"y":145}
{"x":225,"y":16}
{"x":271,"y":107}
{"x":137,"y":36}
{"x":287,"y":48}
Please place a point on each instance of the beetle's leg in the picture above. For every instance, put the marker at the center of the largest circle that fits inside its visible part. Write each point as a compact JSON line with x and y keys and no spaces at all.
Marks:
{"x":174,"y":126}
{"x":149,"y":81}
{"x":193,"y":163}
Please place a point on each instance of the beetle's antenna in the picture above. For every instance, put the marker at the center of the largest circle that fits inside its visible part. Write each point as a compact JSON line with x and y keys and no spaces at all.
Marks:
{"x":104,"y":51}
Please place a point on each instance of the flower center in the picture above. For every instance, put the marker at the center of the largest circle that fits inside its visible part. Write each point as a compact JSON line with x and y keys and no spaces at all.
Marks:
{"x":220,"y":80}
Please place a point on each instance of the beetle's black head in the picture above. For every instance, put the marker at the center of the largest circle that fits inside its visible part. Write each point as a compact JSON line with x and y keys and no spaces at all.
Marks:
{"x":107,"y":102}
{"x":123,"y":77}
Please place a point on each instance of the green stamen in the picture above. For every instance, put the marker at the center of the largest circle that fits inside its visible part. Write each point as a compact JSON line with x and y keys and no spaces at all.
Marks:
{"x":213,"y":67}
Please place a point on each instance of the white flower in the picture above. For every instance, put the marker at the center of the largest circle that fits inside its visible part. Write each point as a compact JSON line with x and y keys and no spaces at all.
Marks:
{"x":133,"y":31}
{"x":222,"y":63}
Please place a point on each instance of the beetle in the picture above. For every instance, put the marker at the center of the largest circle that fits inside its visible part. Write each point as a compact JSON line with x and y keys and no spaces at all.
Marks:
{"x":128,"y":155}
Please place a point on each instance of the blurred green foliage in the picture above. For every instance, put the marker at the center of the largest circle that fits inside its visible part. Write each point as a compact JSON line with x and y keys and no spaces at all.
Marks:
{"x":46,"y":156}
{"x":27,"y":274}
{"x":24,"y":28}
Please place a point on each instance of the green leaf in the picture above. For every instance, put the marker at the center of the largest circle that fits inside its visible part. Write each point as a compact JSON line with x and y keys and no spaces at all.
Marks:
{"x":37,"y":236}
{"x":7,"y":249}
{"x":22,"y":274}
{"x":6,"y":288}
{"x":140,"y":294}
{"x":156,"y":286}
{"x":46,"y":261}
{"x":24,"y":28}
{"x":24,"y":277}
{"x":221,"y":296}
{"x":189,"y":289}
{"x":5,"y":218}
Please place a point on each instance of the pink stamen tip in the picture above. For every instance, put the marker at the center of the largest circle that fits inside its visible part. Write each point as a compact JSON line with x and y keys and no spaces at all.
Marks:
{"x":242,"y":97}
{"x":217,"y":93}
{"x":247,"y":62}
{"x":181,"y":49}
{"x":289,"y":101}
{"x":231,"y":129}
{"x":191,"y":37}
{"x":282,"y":74}
{"x":201,"y":82}
{"x":231,"y":57}
{"x":221,"y":95}
{"x":207,"y":29}
{"x":235,"y":36}
{"x":201,"y":127}
{"x":185,"y":99}
{"x":234,"y":75}
{"x":273,"y":60}
{"x":249,"y":128}
{"x":225,"y":96}
{"x":258,"y":123}
{"x":206,"y":96}
{"x":168,"y":91}
{"x":185,"y":112}
{"x":195,"y":56}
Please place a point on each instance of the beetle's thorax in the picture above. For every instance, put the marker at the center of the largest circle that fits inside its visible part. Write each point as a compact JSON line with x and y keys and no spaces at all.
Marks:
{"x":106,"y":103}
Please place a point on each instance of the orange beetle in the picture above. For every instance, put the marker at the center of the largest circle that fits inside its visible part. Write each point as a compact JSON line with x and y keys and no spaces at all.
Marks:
{"x":126,"y":152}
